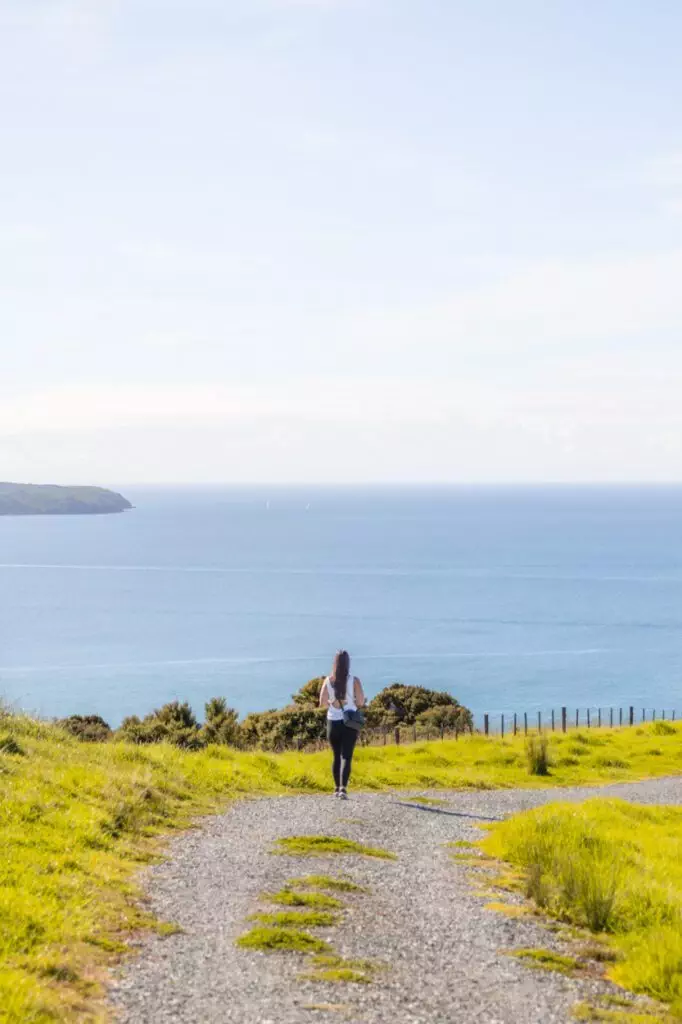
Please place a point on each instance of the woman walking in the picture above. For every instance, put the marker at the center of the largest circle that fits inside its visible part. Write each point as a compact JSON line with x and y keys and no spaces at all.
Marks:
{"x":341,"y":693}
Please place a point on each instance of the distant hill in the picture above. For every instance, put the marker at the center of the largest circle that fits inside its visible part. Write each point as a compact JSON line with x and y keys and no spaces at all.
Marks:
{"x":50,"y":500}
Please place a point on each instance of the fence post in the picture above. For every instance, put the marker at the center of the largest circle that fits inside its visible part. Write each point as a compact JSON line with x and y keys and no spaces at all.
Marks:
{"x":525,"y":723}
{"x":632,"y":715}
{"x":384,"y":731}
{"x":599,"y":717}
{"x":396,"y":735}
{"x":563,"y":719}
{"x":620,"y":716}
{"x":673,"y":714}
{"x":502,"y":727}
{"x":644,"y":714}
{"x":539,"y":721}
{"x":414,"y":733}
{"x":515,"y":723}
{"x":552,"y":719}
{"x":611,"y":718}
{"x":577,"y":717}
{"x":486,"y":724}
{"x":654,"y":715}
{"x":588,"y":718}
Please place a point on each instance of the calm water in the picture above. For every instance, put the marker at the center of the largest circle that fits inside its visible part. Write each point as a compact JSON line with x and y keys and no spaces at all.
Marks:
{"x":511,"y":599}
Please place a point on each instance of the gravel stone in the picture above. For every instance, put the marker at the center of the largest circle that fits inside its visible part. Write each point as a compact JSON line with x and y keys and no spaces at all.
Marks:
{"x":445,"y":954}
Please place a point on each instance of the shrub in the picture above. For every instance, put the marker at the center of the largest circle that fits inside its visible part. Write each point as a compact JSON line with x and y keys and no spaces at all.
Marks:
{"x":173,"y":723}
{"x":8,"y":745}
{"x":90,"y":728}
{"x":537,"y":755}
{"x":222,"y":723}
{"x":400,"y":703}
{"x":446,"y":718}
{"x":662,"y":728}
{"x":295,"y":726}
{"x":309,"y":694}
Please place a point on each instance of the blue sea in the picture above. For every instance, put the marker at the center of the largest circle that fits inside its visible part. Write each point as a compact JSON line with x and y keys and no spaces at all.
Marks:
{"x":513,"y":599}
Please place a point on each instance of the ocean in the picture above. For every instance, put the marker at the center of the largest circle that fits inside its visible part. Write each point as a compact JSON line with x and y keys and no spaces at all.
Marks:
{"x":513,"y":599}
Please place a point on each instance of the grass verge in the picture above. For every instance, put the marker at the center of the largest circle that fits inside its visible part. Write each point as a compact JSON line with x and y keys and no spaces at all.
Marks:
{"x":78,"y":820}
{"x":614,"y":868}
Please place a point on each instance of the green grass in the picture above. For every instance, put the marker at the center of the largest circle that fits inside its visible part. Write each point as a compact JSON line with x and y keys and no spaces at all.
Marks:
{"x":547,"y":960}
{"x":288,"y":898}
{"x":333,"y":968}
{"x":428,"y":801}
{"x":79,"y":820}
{"x":280,"y":940}
{"x":324,"y":846}
{"x":297,"y":919}
{"x":614,"y":868}
{"x":324,"y":882}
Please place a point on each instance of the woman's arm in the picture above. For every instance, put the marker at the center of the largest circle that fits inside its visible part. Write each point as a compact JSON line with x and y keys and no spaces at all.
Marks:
{"x":324,"y":696}
{"x":360,"y":699}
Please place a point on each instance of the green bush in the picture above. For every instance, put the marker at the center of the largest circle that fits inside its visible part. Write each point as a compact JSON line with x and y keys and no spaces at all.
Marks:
{"x":222,"y":724}
{"x":90,"y":728}
{"x":446,"y":718}
{"x":400,"y":704}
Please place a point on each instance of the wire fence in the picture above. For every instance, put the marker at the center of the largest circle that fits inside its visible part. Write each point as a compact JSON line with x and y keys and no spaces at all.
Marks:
{"x":506,"y":724}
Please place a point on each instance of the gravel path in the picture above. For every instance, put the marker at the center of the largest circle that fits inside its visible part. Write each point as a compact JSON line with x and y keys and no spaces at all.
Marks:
{"x":422,"y":917}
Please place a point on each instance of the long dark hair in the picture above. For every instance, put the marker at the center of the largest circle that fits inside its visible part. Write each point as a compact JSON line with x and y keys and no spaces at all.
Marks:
{"x":339,"y":675}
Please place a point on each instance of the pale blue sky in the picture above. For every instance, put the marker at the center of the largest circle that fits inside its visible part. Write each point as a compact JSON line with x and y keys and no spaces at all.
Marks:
{"x":340,"y":240}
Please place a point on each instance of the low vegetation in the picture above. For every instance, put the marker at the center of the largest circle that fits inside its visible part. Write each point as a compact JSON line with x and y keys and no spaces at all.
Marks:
{"x":297,"y":919}
{"x":79,"y":819}
{"x":288,"y":898}
{"x":324,"y":846}
{"x":324,"y":882}
{"x":614,"y":868}
{"x":277,"y":940}
{"x":547,"y":960}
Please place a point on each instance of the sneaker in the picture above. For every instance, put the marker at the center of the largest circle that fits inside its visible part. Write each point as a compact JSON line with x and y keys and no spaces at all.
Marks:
{"x":342,"y":793}
{"x":337,"y":792}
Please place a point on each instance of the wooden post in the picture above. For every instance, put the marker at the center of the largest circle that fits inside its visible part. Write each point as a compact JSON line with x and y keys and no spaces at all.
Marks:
{"x":654,"y":716}
{"x":384,"y":735}
{"x":486,"y":725}
{"x":502,"y":727}
{"x":414,"y":733}
{"x":525,"y":723}
{"x":632,"y":715}
{"x":599,"y":718}
{"x":396,"y":735}
{"x":611,"y":718}
{"x":620,"y":716}
{"x":539,"y":721}
{"x":552,"y":719}
{"x":588,"y":718}
{"x":644,"y":714}
{"x":563,"y":719}
{"x":515,"y":726}
{"x":577,"y":717}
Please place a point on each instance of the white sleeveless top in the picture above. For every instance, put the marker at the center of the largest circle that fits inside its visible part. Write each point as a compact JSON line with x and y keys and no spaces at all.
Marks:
{"x":336,"y":714}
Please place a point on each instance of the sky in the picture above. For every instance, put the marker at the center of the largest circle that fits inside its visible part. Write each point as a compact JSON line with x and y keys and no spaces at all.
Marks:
{"x":340,"y":241}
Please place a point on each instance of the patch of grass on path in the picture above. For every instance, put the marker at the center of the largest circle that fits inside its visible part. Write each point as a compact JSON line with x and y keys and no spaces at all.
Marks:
{"x":323,"y":846}
{"x":280,"y":940}
{"x":546,"y":960}
{"x":337,"y":969}
{"x":289,"y":898}
{"x":614,"y":868}
{"x":324,"y":882}
{"x":297,"y":919}
{"x":78,"y":820}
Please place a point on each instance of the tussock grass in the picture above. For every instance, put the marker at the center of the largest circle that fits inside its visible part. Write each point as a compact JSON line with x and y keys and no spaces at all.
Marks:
{"x":78,"y":820}
{"x":615,"y":868}
{"x":537,"y":755}
{"x":323,"y":846}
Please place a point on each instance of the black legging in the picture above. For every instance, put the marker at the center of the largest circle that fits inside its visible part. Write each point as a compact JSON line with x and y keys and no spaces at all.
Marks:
{"x":342,"y":741}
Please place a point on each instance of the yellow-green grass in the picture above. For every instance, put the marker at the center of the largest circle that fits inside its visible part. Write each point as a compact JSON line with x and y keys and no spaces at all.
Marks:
{"x":547,"y":960}
{"x":324,"y":882}
{"x":325,"y":846}
{"x":614,"y":868}
{"x":297,"y":919}
{"x":78,"y":820}
{"x":317,"y":900}
{"x":279,"y":940}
